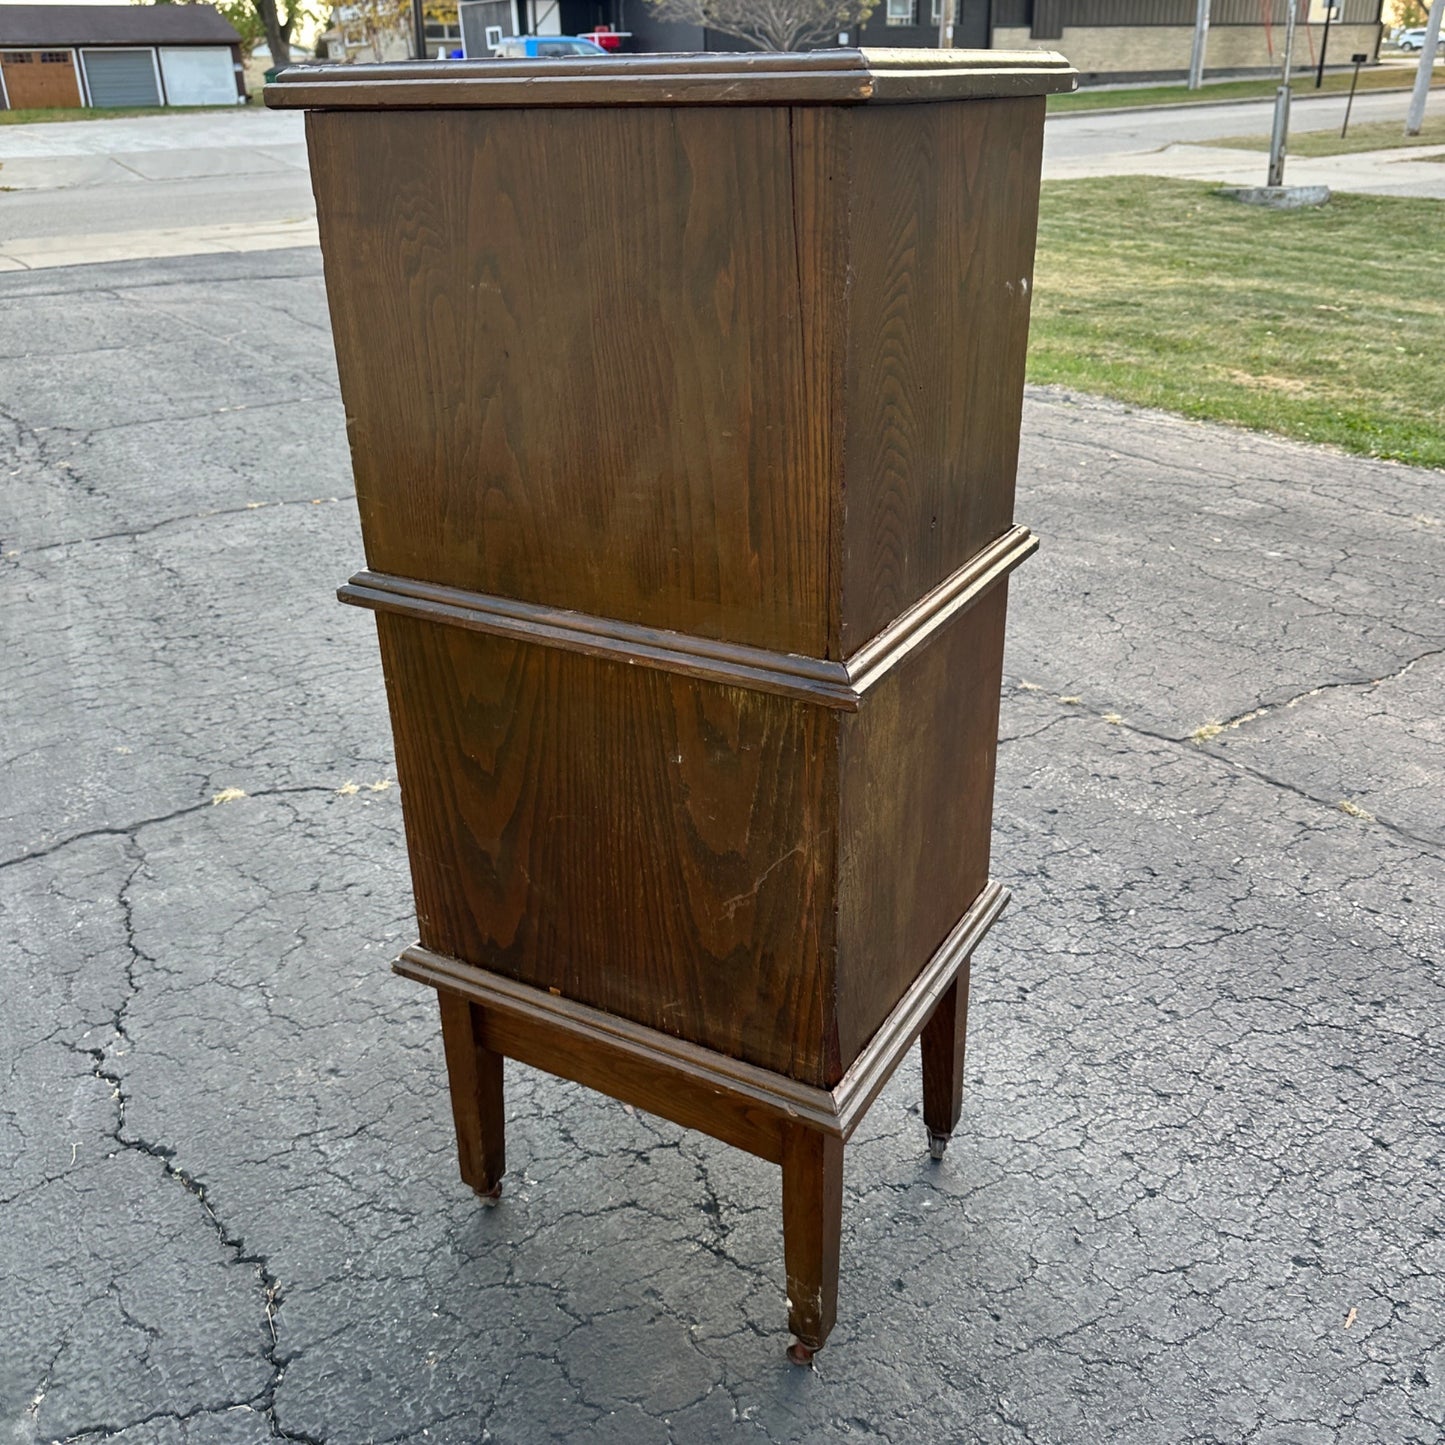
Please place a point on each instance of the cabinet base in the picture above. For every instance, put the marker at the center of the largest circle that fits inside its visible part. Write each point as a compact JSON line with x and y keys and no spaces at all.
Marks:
{"x":486,"y":1017}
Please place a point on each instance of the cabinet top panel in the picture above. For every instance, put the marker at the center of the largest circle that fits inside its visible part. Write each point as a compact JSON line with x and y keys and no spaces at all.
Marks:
{"x":817,"y":77}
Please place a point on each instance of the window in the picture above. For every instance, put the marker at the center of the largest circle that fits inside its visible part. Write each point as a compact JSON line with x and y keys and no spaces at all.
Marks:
{"x":902,"y":12}
{"x":935,"y":13}
{"x":55,"y":57}
{"x":17,"y":57}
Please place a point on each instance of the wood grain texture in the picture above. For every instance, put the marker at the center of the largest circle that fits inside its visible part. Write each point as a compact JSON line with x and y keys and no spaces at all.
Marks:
{"x":837,"y":77}
{"x":821,"y":162}
{"x":478,"y":1108}
{"x":731,"y":663}
{"x":585,"y":392}
{"x":874,"y":1066}
{"x":812,"y":1229}
{"x":677,"y":1079}
{"x":942,"y":227}
{"x":649,"y":844}
{"x":734,"y":1101}
{"x":943,"y":1039}
{"x":915,"y":815}
{"x":684,"y":399}
{"x":816,"y":680}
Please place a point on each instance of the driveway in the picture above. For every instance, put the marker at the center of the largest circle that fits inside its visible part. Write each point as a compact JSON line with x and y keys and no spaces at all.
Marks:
{"x":1195,"y":1192}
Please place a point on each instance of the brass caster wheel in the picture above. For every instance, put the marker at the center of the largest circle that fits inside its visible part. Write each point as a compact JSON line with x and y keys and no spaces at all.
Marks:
{"x":801,"y":1354}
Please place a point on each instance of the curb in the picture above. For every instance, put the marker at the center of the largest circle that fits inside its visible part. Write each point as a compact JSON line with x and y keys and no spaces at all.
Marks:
{"x":1202,"y":104}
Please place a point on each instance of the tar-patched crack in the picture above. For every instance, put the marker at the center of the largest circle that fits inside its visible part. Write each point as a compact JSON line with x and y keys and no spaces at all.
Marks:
{"x":1190,"y":1198}
{"x":1074,"y":707}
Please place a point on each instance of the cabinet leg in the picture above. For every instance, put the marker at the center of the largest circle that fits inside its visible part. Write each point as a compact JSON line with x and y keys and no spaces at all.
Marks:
{"x":475,"y":1075}
{"x":812,"y":1234}
{"x":943,"y":1040}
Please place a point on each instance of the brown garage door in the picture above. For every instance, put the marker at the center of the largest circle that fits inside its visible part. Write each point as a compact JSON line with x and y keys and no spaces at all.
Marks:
{"x":39,"y":79}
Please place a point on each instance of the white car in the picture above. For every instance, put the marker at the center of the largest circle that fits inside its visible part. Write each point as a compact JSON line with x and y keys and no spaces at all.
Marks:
{"x":1415,"y":39}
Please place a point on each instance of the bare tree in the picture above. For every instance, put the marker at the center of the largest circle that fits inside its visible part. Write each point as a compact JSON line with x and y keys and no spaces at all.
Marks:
{"x":772,"y":24}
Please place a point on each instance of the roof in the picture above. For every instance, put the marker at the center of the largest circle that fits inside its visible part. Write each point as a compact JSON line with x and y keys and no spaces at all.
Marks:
{"x":61,"y":25}
{"x":816,"y":77}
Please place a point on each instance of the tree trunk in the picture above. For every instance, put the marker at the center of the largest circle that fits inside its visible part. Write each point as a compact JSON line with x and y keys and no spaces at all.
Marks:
{"x":278,"y":32}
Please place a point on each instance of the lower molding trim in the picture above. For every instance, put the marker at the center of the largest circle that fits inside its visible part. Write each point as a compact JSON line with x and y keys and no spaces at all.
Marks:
{"x":696,"y":1087}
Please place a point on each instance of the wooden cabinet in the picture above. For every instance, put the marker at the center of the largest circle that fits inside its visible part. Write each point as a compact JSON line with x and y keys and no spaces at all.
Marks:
{"x":684,"y":400}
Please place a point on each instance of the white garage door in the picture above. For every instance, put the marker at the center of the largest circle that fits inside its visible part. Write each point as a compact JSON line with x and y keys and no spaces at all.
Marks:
{"x":199,"y":75}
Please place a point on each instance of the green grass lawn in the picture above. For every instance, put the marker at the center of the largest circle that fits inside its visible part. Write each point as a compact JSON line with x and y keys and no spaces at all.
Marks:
{"x":72,"y":112}
{"x":1325,"y":324}
{"x":1372,"y":135}
{"x":1385,"y":78}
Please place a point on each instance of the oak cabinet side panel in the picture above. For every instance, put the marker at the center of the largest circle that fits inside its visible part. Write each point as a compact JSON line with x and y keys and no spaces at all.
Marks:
{"x":942,"y":227}
{"x":649,"y":844}
{"x":580,"y":385}
{"x":916,"y":813}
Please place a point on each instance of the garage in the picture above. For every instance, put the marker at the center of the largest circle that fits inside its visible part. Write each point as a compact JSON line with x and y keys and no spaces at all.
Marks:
{"x":117,"y":56}
{"x":121,"y":77}
{"x":39,"y":79}
{"x":198,"y":75}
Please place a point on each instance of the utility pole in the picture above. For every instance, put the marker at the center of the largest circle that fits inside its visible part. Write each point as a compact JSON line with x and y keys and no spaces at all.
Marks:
{"x":945,"y":24}
{"x":1416,"y":117}
{"x":1201,"y":37}
{"x":1280,"y":133}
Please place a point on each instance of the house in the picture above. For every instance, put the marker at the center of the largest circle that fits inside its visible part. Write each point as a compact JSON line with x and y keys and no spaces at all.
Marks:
{"x":1151,"y":39}
{"x":1104,"y":39}
{"x":117,"y":55}
{"x":372,"y":31}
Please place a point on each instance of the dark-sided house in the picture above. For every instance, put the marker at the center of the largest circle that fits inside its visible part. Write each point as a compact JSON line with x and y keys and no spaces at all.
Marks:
{"x":1103,"y":39}
{"x":117,"y":55}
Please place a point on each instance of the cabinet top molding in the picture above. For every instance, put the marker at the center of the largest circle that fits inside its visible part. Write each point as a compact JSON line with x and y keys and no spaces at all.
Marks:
{"x":816,"y":77}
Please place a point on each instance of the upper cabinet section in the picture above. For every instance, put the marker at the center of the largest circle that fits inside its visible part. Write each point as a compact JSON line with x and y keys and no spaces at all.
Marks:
{"x":748,"y":371}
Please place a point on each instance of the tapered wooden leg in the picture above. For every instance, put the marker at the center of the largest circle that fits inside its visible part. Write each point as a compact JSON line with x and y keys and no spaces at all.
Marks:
{"x":475,"y":1076}
{"x":812,"y":1234}
{"x":943,"y":1040}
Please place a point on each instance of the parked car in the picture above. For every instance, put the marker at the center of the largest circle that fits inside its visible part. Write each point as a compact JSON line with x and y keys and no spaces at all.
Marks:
{"x":546,"y":47}
{"x":1415,"y":39}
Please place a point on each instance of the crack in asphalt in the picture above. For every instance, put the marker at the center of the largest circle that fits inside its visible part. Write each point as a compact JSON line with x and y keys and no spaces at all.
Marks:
{"x":1135,"y":1214}
{"x":1264,"y":709}
{"x":104,"y":1069}
{"x":1199,"y":747}
{"x":132,"y":533}
{"x":129,"y":830}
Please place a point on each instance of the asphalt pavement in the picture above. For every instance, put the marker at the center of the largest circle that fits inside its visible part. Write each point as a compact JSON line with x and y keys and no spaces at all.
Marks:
{"x":1195,"y":1195}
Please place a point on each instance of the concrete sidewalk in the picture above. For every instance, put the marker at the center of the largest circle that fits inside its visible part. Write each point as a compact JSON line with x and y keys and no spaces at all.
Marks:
{"x":1405,"y":171}
{"x":39,"y":253}
{"x":1195,"y":1193}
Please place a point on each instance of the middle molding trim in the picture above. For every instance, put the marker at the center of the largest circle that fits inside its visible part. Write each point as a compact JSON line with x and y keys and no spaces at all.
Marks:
{"x":817,"y":680}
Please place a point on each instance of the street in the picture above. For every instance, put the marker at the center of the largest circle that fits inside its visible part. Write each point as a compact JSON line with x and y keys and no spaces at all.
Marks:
{"x":151,"y":186}
{"x":1195,"y":1192}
